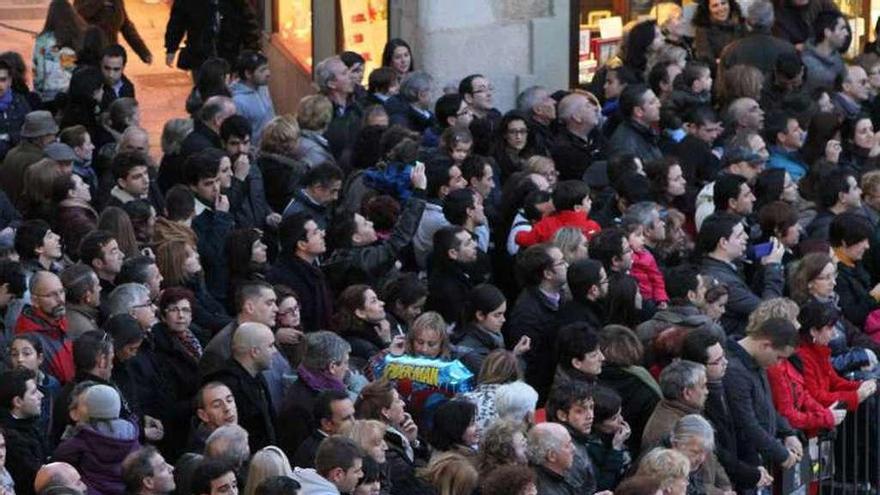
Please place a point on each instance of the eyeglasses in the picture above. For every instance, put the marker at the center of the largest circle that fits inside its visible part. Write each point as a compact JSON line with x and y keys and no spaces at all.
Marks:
{"x":289,"y":312}
{"x":487,"y":89}
{"x":180,"y":310}
{"x":517,"y":132}
{"x":144,"y":305}
{"x":58,"y":294}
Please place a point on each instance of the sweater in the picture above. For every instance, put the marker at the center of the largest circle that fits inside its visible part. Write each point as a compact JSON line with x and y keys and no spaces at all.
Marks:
{"x":546,"y":228}
{"x":647,"y":274}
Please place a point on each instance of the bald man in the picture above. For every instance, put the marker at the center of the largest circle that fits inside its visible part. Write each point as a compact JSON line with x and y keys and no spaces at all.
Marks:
{"x":58,"y":474}
{"x":253,"y":347}
{"x":746,"y":115}
{"x":579,"y":144}
{"x":551,"y":453}
{"x":46,"y":319}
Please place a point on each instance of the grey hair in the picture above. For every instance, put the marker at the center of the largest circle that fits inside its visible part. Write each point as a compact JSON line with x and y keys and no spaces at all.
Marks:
{"x":515,"y":400}
{"x":641,"y":213}
{"x":173,"y":134}
{"x":760,"y":16}
{"x":214,"y":106}
{"x":414,"y":83}
{"x":570,"y":105}
{"x":125,"y":296}
{"x":528,"y":98}
{"x":736,"y":110}
{"x":324,"y":74}
{"x":678,"y":376}
{"x":324,"y":348}
{"x":694,"y":426}
{"x":544,"y":439}
{"x":220,"y":442}
{"x":567,"y":239}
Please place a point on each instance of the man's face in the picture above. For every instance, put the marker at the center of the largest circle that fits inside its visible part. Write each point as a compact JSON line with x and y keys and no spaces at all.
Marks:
{"x":464,"y":116}
{"x":351,"y":476}
{"x":853,"y":197}
{"x":482,"y":95}
{"x":136,"y":182}
{"x":793,"y":137}
{"x":768,"y":356}
{"x":111,"y":258}
{"x":696,"y":395}
{"x":314,"y":243}
{"x":650,"y":107}
{"x":837,"y":37}
{"x":716,"y":363}
{"x":218,"y":407}
{"x":264,"y":308}
{"x":736,"y":243}
{"x":70,"y":478}
{"x":162,"y":480}
{"x":236,"y":145}
{"x":51,"y":247}
{"x":546,"y":106}
{"x":260,"y":76}
{"x":265,"y":350}
{"x":708,"y":132}
{"x":144,"y":312}
{"x":30,"y":402}
{"x":224,"y":485}
{"x":485,"y":184}
{"x":112,"y":68}
{"x":138,"y":141}
{"x":49,"y":295}
{"x":565,"y":454}
{"x":753,"y":118}
{"x":692,"y":447}
{"x":154,"y":281}
{"x":326,"y":194}
{"x":478,"y":213}
{"x":466,"y":252}
{"x":342,"y":414}
{"x":656,"y":231}
{"x":341,"y":82}
{"x":456,"y":180}
{"x":579,"y":416}
{"x":208,"y":189}
{"x":745,"y":201}
{"x":5,"y":81}
{"x":559,"y":266}
{"x":856,"y":83}
{"x":364,"y":232}
{"x":84,"y":152}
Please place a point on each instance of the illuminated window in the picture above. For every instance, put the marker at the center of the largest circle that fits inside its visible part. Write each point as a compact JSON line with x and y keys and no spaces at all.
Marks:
{"x":294,"y":29}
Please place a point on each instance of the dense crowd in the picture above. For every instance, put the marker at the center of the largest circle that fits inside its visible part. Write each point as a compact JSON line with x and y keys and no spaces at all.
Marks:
{"x":664,"y":282}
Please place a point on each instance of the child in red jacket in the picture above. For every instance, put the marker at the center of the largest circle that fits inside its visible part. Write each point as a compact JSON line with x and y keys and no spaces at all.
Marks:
{"x":644,"y":267}
{"x":571,"y":198}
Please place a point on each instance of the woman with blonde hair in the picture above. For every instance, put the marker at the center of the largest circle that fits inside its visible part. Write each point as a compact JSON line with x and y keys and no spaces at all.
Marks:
{"x":670,"y":467}
{"x":277,"y":159}
{"x":573,"y":244}
{"x":313,"y":115}
{"x":503,"y":443}
{"x":451,"y":473}
{"x":369,"y":434}
{"x":267,"y":462}
{"x":740,"y":81}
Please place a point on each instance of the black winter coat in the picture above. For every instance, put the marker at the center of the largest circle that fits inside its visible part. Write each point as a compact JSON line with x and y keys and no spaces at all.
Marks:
{"x":758,"y":49}
{"x":401,"y":112}
{"x":177,"y":368}
{"x":296,"y":421}
{"x":315,"y":300}
{"x":854,"y":287}
{"x":253,"y":402}
{"x":639,"y":403}
{"x":743,"y":475}
{"x":200,"y":138}
{"x":630,"y":137}
{"x":238,"y":30}
{"x":285,"y":174}
{"x":26,"y":450}
{"x":535,"y":316}
{"x":448,"y":287}
{"x":573,"y":155}
{"x":11,"y":120}
{"x":592,"y":313}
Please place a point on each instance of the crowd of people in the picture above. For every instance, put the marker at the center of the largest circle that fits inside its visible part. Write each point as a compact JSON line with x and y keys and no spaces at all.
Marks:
{"x":664,"y":282}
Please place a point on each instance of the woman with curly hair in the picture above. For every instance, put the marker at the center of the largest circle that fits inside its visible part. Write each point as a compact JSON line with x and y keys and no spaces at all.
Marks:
{"x":502,"y":444}
{"x":360,"y":320}
{"x":716,"y":23}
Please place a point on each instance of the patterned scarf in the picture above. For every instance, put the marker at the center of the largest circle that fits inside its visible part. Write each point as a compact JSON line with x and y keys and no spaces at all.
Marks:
{"x":190,"y":343}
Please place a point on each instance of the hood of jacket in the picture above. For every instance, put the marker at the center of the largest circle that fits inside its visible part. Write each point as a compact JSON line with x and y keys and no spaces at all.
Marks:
{"x":313,"y":483}
{"x":109,"y":441}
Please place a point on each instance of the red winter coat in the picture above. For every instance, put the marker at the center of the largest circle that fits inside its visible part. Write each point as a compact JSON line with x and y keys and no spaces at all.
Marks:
{"x":794,"y":403}
{"x":647,"y":274}
{"x":822,"y":382}
{"x":57,"y":346}
{"x":546,"y":228}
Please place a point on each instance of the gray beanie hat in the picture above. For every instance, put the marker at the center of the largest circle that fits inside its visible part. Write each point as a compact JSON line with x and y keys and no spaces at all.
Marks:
{"x":102,"y":402}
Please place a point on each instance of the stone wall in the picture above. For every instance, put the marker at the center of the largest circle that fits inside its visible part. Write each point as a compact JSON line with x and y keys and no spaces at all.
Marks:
{"x":516,"y":43}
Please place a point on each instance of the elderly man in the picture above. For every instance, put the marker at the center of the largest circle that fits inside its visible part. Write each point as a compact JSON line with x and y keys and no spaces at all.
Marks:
{"x":411,"y":107}
{"x":683,"y":384}
{"x":253,"y":348}
{"x":145,"y":472}
{"x":539,"y":108}
{"x":229,"y":443}
{"x":46,"y":318}
{"x":59,"y":474}
{"x":334,"y":81}
{"x":580,"y":144}
{"x":215,"y":407}
{"x":744,"y":114}
{"x":759,"y":48}
{"x":206,"y":129}
{"x":693,"y":436}
{"x":133,"y":299}
{"x":851,"y":91}
{"x":551,"y":453}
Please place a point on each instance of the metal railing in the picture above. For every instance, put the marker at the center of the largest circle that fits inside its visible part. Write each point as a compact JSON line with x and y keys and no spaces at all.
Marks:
{"x":845,"y":462}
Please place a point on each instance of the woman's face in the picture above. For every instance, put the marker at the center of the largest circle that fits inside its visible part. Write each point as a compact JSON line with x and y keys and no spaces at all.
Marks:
{"x":471,"y":436}
{"x":427,"y":342}
{"x":371,"y":488}
{"x":225,"y":173}
{"x":396,"y":413}
{"x":675,"y":181}
{"x":23,"y":355}
{"x":178,"y":316}
{"x":529,"y":489}
{"x":517,"y":134}
{"x":377,"y":449}
{"x":494,"y":320}
{"x":823,"y":335}
{"x":790,"y":237}
{"x":258,"y":252}
{"x":864,"y":134}
{"x":357,"y":74}
{"x":613,"y":424}
{"x":401,"y":60}
{"x":716,"y":308}
{"x":80,"y":189}
{"x":824,"y":283}
{"x":192,"y":265}
{"x":288,"y":313}
{"x":658,"y":41}
{"x":719,"y":10}
{"x":373,"y":309}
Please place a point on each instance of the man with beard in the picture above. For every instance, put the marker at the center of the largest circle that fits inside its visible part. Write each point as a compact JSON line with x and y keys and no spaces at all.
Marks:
{"x":588,"y":283}
{"x":46,"y":318}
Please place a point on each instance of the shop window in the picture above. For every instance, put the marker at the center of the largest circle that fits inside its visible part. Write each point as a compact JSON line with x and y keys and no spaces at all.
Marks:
{"x":293,"y":28}
{"x":365,"y":29}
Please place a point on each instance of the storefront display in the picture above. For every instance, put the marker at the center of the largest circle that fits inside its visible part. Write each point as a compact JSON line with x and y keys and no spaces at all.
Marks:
{"x":365,"y":29}
{"x":293,"y":28}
